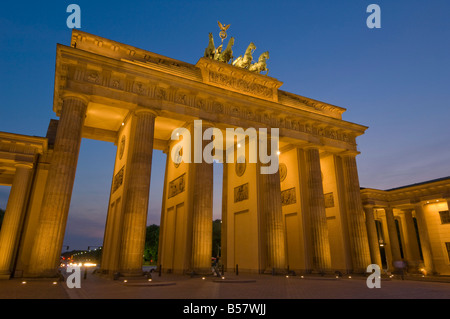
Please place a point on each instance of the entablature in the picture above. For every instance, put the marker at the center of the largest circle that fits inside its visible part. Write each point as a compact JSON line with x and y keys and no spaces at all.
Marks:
{"x":433,"y":191}
{"x":122,"y":84}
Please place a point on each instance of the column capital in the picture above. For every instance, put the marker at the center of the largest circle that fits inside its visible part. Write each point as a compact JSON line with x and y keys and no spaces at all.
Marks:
{"x":24,"y":165}
{"x":308,"y":146}
{"x":208,"y":124}
{"x":75,"y":96}
{"x":205,"y":123}
{"x":368,"y":204}
{"x":349,"y":153}
{"x":142,"y":110}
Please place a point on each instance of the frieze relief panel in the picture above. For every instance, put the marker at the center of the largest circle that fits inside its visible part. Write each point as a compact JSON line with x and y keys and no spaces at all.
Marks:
{"x":241,"y":85}
{"x":288,"y":197}
{"x":177,"y":186}
{"x":118,"y":179}
{"x":329,"y":200}
{"x":241,"y":193}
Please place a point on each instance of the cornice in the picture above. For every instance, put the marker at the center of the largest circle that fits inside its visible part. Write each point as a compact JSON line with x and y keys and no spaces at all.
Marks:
{"x":78,"y":68}
{"x":206,"y":70}
{"x":412,"y":194}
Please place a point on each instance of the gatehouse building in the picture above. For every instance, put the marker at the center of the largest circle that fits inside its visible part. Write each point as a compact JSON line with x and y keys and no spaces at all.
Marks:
{"x":309,"y":217}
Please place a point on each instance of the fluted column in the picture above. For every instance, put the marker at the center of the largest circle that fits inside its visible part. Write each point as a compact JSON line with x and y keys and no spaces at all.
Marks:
{"x":224,"y":226}
{"x":316,"y":210}
{"x":393,"y":237}
{"x":412,"y":247}
{"x":272,"y":215}
{"x":424,"y":239}
{"x":163,"y":208}
{"x":372,"y":235}
{"x":137,"y":194}
{"x":202,"y":211}
{"x":46,"y":251}
{"x":10,"y":230}
{"x":357,"y":229}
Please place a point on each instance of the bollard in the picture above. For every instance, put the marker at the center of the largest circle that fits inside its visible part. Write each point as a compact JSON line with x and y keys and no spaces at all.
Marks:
{"x":237,"y":269}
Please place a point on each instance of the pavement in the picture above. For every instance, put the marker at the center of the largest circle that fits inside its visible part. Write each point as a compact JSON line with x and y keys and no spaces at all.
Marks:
{"x":242,"y":287}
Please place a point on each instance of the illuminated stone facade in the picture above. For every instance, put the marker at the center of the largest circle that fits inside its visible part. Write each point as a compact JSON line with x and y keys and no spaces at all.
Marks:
{"x":410,"y":223}
{"x":307,"y":217}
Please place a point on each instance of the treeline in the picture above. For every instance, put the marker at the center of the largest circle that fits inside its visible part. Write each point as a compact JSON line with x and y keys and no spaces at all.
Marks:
{"x":152,"y":242}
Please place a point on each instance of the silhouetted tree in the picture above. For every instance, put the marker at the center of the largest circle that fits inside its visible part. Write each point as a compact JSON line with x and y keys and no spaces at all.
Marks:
{"x":151,"y":243}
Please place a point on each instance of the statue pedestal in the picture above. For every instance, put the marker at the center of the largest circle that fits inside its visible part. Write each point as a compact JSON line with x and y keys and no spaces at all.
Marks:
{"x":239,"y":80}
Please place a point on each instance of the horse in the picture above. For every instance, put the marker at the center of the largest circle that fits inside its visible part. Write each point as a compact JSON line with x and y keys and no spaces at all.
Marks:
{"x":261,"y":64}
{"x":211,"y":49}
{"x":227,"y":54}
{"x":244,"y":62}
{"x":218,"y":52}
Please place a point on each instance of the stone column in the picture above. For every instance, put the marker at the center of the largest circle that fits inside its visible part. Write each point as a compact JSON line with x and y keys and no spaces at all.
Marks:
{"x":412,"y":247}
{"x":137,"y":194}
{"x":317,"y":218}
{"x":48,"y":242}
{"x":13,"y":220}
{"x":424,"y":239}
{"x":372,"y":235}
{"x":202,"y":210}
{"x":393,"y":237}
{"x":356,"y":225}
{"x":224,"y":228}
{"x":272,"y":216}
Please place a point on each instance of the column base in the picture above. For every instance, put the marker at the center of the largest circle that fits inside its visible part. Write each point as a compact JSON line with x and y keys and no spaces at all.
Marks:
{"x":200,"y":271}
{"x":358,"y":271}
{"x":5,"y":275}
{"x":275,"y":271}
{"x":44,"y":274}
{"x":131,"y":273}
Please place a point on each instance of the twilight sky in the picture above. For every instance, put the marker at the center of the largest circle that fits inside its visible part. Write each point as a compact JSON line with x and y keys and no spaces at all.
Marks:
{"x":395,"y":80}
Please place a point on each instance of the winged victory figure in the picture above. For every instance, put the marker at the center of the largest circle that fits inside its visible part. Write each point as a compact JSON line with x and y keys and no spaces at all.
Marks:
{"x":223,"y":27}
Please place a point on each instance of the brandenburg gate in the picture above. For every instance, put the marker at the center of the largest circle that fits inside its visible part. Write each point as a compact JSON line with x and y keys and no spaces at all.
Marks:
{"x":307,"y":216}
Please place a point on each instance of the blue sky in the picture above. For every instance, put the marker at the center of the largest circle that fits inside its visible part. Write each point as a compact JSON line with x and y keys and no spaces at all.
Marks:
{"x":395,"y":80}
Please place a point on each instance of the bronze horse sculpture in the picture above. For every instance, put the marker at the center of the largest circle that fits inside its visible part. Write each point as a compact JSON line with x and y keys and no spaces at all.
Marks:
{"x":227,"y":54}
{"x":244,"y":62}
{"x":261,"y":64}
{"x":211,"y":49}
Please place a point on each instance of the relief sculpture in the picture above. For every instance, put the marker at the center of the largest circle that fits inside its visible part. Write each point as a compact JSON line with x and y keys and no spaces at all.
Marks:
{"x":288,"y":197}
{"x":241,"y":193}
{"x":177,"y":186}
